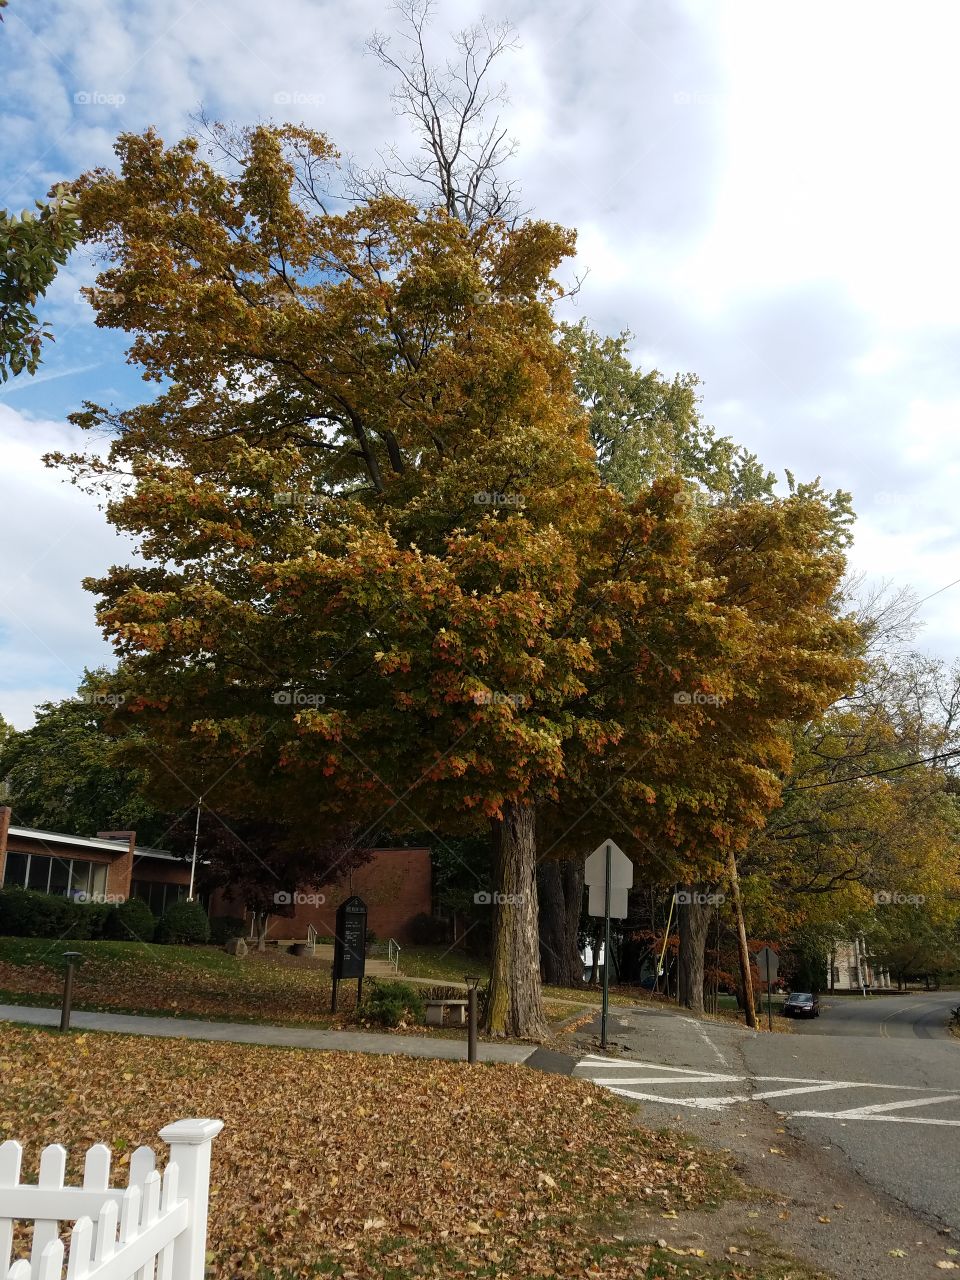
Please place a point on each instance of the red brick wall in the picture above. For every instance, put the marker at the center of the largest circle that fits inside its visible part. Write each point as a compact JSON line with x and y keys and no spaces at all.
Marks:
{"x":118,"y":877}
{"x":395,"y":884}
{"x":5,"y":815}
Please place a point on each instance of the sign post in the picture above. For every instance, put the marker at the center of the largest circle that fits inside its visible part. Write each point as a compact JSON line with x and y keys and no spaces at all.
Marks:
{"x":350,"y":945}
{"x":608,"y":873}
{"x":768,"y":964}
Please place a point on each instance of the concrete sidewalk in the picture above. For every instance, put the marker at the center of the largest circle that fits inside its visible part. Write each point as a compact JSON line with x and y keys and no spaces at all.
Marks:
{"x":253,"y":1033}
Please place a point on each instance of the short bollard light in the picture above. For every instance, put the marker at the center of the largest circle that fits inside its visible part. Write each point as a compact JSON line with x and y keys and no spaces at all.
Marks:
{"x":473,"y":981}
{"x":71,"y":958}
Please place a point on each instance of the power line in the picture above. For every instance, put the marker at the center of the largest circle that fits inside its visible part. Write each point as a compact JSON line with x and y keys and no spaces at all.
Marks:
{"x":876,"y":773}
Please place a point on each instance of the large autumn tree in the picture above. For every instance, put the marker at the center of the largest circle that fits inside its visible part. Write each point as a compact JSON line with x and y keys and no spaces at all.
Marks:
{"x":384,"y":579}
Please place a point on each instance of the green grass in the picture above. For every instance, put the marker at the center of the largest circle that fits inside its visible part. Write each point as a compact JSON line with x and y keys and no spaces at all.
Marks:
{"x":442,"y":963}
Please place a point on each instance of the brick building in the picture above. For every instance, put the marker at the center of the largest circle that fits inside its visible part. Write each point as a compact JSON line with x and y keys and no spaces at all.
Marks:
{"x":395,"y":883}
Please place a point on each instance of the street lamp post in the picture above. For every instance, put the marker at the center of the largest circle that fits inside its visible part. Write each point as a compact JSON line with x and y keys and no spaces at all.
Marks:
{"x":71,"y":958}
{"x":473,"y":981}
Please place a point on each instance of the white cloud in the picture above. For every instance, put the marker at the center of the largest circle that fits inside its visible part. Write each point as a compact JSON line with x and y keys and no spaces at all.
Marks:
{"x":52,"y":537}
{"x":764,"y":196}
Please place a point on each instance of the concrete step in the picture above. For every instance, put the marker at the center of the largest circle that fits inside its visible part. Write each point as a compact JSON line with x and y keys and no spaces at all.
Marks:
{"x":376,"y":967}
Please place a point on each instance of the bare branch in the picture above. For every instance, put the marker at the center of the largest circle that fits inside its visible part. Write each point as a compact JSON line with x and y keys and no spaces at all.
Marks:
{"x":461,"y":148}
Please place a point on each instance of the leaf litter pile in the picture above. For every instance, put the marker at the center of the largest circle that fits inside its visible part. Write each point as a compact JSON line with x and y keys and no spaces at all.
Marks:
{"x":363,"y":1166}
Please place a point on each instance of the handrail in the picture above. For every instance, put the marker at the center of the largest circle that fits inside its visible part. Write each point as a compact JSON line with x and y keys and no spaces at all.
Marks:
{"x":312,"y":936}
{"x":393,"y":955}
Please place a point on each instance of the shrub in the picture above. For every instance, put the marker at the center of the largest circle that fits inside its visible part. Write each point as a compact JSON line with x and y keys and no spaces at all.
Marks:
{"x":131,"y":921}
{"x":426,"y":930}
{"x":25,"y":913}
{"x":184,"y":922}
{"x":224,"y":929}
{"x":391,"y":1003}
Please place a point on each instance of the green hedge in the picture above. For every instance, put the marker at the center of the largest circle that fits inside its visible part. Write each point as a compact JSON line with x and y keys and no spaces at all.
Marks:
{"x":184,"y":922}
{"x":27,"y":914}
{"x":131,"y":921}
{"x":391,"y":1003}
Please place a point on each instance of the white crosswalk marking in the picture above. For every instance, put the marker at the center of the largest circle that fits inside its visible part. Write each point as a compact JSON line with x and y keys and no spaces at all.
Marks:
{"x":717,"y":1091}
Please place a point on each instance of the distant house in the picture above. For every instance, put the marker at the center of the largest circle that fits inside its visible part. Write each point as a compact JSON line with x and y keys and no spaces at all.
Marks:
{"x":852,"y":968}
{"x":396,"y":884}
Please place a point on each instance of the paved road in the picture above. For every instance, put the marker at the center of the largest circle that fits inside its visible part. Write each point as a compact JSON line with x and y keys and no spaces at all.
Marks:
{"x":876,"y":1081}
{"x":922,"y":1014}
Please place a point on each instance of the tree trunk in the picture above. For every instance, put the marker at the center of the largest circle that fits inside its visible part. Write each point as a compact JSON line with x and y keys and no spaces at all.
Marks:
{"x":595,"y":953}
{"x":263,"y":923}
{"x":514,"y":1003}
{"x":560,"y":893}
{"x":743,"y":952}
{"x":693,"y":923}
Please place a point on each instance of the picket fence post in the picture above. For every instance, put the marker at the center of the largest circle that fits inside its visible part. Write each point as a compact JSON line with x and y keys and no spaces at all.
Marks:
{"x":190,"y":1143}
{"x":162,"y":1221}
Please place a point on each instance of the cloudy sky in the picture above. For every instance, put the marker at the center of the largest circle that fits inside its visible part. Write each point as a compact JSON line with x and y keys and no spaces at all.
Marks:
{"x":766,"y":195}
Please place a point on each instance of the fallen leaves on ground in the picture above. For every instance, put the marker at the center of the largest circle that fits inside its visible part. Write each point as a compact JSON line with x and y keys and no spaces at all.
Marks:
{"x":350,"y":1165}
{"x":196,"y":981}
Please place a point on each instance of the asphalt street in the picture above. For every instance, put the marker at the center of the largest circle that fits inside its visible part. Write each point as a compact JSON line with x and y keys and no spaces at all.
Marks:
{"x":922,"y":1014}
{"x":875,"y":1081}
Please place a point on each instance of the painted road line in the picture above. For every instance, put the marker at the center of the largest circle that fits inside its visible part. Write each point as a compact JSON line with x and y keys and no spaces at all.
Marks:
{"x":805,"y":1088}
{"x":858,"y":1112}
{"x":843,"y":1116}
{"x":621,"y":1080}
{"x":699,"y":1104}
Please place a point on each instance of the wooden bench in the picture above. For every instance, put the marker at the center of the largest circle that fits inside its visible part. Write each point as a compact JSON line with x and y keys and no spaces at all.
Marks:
{"x":435,"y":1010}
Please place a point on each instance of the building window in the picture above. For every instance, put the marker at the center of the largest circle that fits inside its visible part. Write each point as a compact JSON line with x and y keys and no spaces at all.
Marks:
{"x":65,"y":877}
{"x":158,"y":896}
{"x":16,"y":870}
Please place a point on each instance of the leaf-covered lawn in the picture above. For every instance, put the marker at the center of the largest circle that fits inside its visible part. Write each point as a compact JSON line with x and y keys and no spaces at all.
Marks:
{"x":193,"y":981}
{"x":205,"y":982}
{"x":362,"y":1167}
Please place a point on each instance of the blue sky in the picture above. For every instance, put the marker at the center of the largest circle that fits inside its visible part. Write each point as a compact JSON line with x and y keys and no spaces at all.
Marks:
{"x":765,"y":195}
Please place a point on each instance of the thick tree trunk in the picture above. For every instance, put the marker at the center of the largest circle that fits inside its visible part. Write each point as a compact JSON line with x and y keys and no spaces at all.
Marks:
{"x":693,"y":922}
{"x":560,"y":893}
{"x":514,"y":1003}
{"x":743,"y":951}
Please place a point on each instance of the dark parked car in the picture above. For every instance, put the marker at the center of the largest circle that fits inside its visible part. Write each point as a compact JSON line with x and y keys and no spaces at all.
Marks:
{"x":801,"y":1004}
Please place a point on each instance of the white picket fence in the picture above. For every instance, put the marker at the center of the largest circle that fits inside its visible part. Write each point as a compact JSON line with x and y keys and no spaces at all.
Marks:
{"x":162,"y":1222}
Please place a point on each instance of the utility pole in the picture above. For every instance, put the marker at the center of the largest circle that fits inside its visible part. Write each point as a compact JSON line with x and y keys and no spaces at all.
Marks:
{"x":750,"y":1012}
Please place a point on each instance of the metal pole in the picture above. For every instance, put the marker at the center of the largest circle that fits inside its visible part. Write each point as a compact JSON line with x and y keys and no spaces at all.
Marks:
{"x":333,"y":1001}
{"x":193,"y":861}
{"x":471,"y":1024}
{"x":769,"y":1009}
{"x":67,"y":995}
{"x":606,"y":955}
